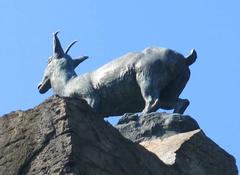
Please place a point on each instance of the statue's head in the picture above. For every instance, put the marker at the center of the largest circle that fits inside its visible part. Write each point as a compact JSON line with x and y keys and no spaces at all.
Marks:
{"x":59,"y":61}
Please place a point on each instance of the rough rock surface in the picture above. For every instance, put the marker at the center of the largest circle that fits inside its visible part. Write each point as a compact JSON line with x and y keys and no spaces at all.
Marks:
{"x":158,"y":125}
{"x":178,"y":142}
{"x":64,"y":136}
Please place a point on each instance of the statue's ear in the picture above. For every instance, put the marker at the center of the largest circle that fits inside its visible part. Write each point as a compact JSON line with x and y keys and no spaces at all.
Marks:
{"x":77,"y":61}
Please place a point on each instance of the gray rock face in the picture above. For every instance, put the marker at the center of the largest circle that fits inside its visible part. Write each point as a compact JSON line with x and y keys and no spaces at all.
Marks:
{"x":64,"y":136}
{"x":154,"y":125}
{"x":177,"y":141}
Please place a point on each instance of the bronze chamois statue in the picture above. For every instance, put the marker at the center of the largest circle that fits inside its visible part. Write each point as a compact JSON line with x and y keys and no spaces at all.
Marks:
{"x":138,"y":81}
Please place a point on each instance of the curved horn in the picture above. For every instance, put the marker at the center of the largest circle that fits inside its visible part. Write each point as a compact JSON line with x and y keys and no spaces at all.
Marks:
{"x":57,"y":48}
{"x":69,"y":47}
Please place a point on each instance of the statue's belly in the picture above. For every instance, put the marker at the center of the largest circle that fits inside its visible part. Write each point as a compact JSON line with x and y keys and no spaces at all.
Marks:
{"x":121,"y":96}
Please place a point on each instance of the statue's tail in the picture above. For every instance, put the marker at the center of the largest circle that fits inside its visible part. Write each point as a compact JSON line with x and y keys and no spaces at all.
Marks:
{"x":191,"y":58}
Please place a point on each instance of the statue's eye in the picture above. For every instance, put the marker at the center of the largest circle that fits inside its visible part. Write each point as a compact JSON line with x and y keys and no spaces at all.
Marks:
{"x":49,"y":59}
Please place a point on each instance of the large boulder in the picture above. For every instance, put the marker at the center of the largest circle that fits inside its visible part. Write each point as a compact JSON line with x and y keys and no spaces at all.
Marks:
{"x":154,"y":125}
{"x":64,"y":136}
{"x":178,"y":141}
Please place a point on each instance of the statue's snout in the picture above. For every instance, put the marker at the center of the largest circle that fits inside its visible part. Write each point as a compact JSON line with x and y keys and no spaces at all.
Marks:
{"x":40,"y":88}
{"x":44,"y":86}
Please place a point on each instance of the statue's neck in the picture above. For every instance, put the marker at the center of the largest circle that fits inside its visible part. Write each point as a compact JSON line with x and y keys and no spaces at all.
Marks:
{"x":60,"y":79}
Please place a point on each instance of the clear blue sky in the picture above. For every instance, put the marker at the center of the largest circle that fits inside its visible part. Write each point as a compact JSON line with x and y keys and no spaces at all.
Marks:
{"x":107,"y":29}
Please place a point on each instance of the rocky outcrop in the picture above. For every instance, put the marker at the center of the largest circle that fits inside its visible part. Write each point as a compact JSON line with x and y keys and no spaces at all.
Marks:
{"x":154,"y":125}
{"x":64,"y":136}
{"x":178,"y":141}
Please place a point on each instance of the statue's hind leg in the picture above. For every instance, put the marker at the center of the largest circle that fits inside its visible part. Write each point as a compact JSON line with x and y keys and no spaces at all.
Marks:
{"x":181,"y":105}
{"x":170,"y":95}
{"x":150,"y":93}
{"x":151,"y":104}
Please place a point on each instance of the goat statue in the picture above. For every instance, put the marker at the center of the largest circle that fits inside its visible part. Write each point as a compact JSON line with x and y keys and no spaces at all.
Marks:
{"x":138,"y":81}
